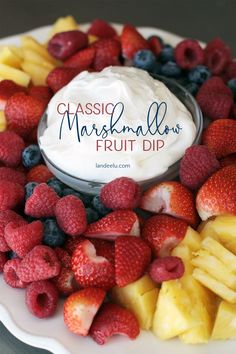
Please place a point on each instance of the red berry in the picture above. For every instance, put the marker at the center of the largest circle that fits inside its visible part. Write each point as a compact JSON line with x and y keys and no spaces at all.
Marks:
{"x":80,"y":309}
{"x":6,"y":217}
{"x":121,"y":193}
{"x":72,"y":242}
{"x":59,"y":77}
{"x":10,"y":275}
{"x":90,"y":269}
{"x":155,"y":45}
{"x":101,"y":29}
{"x":228,"y":160}
{"x":167,"y":268}
{"x":104,"y":249}
{"x":22,"y":239}
{"x":189,"y":54}
{"x":41,"y":298}
{"x":65,"y":282}
{"x":39,"y":264}
{"x":215,"y":85}
{"x":23,"y":113}
{"x":39,"y":174}
{"x":3,"y":260}
{"x":111,"y":320}
{"x":64,"y":44}
{"x":217,"y":55}
{"x":107,"y":52}
{"x":42,"y":93}
{"x":71,"y":215}
{"x":197,"y":164}
{"x":64,"y":257}
{"x":7,"y":89}
{"x":12,"y":175}
{"x":42,"y":202}
{"x":11,"y":147}
{"x":215,"y":106}
{"x":11,"y":194}
{"x":132,"y":41}
{"x":132,"y":256}
{"x":230,"y":70}
{"x":82,"y":60}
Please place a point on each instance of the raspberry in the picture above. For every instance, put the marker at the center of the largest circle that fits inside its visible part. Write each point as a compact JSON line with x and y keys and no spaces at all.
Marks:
{"x":11,"y":147}
{"x":10,"y":274}
{"x":215,"y":85}
{"x":11,"y":194}
{"x":3,"y":260}
{"x":6,"y":217}
{"x":188,"y":54}
{"x":197,"y":165}
{"x":22,"y":239}
{"x":41,"y":298}
{"x":39,"y":174}
{"x":121,"y":193}
{"x":63,"y":256}
{"x":230,"y":71}
{"x":101,"y":29}
{"x":167,"y":268}
{"x":217,"y":56}
{"x":215,"y":106}
{"x":42,"y":202}
{"x":12,"y":175}
{"x":65,"y":282}
{"x":71,"y":215}
{"x":39,"y":264}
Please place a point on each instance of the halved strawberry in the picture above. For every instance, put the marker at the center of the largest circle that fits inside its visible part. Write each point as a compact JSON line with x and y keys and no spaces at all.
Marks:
{"x":132,"y":257}
{"x":163,"y":233}
{"x":59,"y":77}
{"x":81,"y":60}
{"x":104,"y":249}
{"x":132,"y":41}
{"x":170,"y":198}
{"x":113,"y":319}
{"x":80,"y":309}
{"x":107,"y":53}
{"x":101,"y":29}
{"x":65,"y":282}
{"x":217,"y":196}
{"x":114,"y":224}
{"x":90,"y":269}
{"x":7,"y":89}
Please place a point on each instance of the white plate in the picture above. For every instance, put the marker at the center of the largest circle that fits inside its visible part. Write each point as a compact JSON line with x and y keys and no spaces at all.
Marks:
{"x":51,"y":334}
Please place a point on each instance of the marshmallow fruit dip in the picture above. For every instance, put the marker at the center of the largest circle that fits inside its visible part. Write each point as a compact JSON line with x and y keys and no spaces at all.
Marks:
{"x":117,"y":122}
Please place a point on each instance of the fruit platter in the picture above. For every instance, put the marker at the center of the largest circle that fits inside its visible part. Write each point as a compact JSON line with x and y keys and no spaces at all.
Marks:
{"x":130,"y":269}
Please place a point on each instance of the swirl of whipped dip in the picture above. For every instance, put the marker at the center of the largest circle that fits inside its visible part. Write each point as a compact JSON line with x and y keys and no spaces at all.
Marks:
{"x":137,"y":90}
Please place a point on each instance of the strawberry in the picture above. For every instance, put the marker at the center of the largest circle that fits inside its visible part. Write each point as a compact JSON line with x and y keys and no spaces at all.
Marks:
{"x":228,"y":160}
{"x":82,"y":60}
{"x":6,"y":217}
{"x":72,"y":242}
{"x":219,"y":136}
{"x":42,"y":202}
{"x":64,"y":257}
{"x":11,"y":147}
{"x":101,"y":29}
{"x":217,"y":196}
{"x":111,"y":320}
{"x":39,"y":174}
{"x":11,"y":194}
{"x":80,"y":309}
{"x":59,"y":77}
{"x":43,"y":93}
{"x":23,"y":113}
{"x":65,"y":282}
{"x":107,"y":53}
{"x":155,"y":45}
{"x":39,"y":264}
{"x":121,"y":193}
{"x":104,"y":249}
{"x":7,"y":89}
{"x":10,"y":276}
{"x":132,"y":256}
{"x":116,"y":223}
{"x":132,"y":41}
{"x":170,"y":198}
{"x":3,"y":260}
{"x":22,"y":239}
{"x":12,"y":175}
{"x":163,"y":233}
{"x":91,"y":269}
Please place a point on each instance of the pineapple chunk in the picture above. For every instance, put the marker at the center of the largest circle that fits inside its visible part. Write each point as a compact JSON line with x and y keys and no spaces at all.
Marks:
{"x":3,"y":122}
{"x":18,"y":76}
{"x":63,"y":24}
{"x":225,"y":227}
{"x":214,"y":267}
{"x":31,"y":43}
{"x":220,"y":252}
{"x":34,"y":57}
{"x":173,"y":314}
{"x":92,"y":38}
{"x":140,"y":297}
{"x":214,"y":285}
{"x":208,"y":230}
{"x":8,"y":57}
{"x":37,"y":73}
{"x":185,"y":254}
{"x":225,"y":324}
{"x":191,"y":239}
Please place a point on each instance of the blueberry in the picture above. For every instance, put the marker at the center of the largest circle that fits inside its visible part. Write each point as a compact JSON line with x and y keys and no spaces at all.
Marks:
{"x":86,"y":199}
{"x":11,"y":255}
{"x":31,"y":156}
{"x":29,"y":188}
{"x":92,"y":215}
{"x":192,"y":87}
{"x":144,"y":59}
{"x":56,"y":185}
{"x":53,"y":236}
{"x":167,"y":54}
{"x":156,"y":68}
{"x":171,"y":69}
{"x":99,"y":207}
{"x":232,"y":85}
{"x":199,"y":74}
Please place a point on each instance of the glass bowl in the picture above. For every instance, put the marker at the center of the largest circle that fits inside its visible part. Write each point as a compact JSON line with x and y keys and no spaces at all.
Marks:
{"x":92,"y":187}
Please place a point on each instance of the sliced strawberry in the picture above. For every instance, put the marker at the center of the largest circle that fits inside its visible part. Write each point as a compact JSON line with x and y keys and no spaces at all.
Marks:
{"x":113,"y":319}
{"x":132,"y":41}
{"x":59,"y":77}
{"x":80,"y":309}
{"x":163,"y":233}
{"x":170,"y":198}
{"x":132,"y":257}
{"x":107,"y":53}
{"x":104,"y":249}
{"x":217,"y":196}
{"x":114,"y":224}
{"x":65,"y":282}
{"x":7,"y":89}
{"x":81,"y":60}
{"x":101,"y":29}
{"x":155,"y":45}
{"x":90,"y":269}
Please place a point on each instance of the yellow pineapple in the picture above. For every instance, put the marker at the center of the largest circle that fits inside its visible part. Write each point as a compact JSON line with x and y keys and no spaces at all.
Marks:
{"x":18,"y":76}
{"x":140,"y":297}
{"x":185,"y":254}
{"x":191,"y":239}
{"x":8,"y":57}
{"x":207,"y":230}
{"x":37,"y":73}
{"x":63,"y":24}
{"x":3,"y":122}
{"x":32,"y":56}
{"x":225,"y":323}
{"x":31,"y":43}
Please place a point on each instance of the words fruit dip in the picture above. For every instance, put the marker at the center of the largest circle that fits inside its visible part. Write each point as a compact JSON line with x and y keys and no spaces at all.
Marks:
{"x":117,"y":122}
